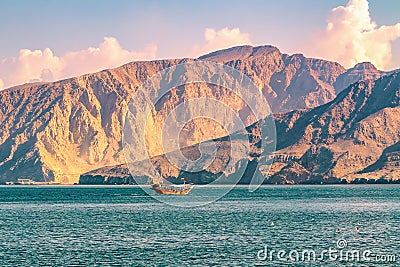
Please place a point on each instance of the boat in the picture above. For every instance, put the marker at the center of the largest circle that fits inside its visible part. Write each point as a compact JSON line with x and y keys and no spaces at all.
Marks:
{"x":172,"y":189}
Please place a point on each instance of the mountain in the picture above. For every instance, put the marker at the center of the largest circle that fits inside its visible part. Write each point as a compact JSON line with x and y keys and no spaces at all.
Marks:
{"x":354,"y":138}
{"x":57,"y":131}
{"x":361,"y":71}
{"x":342,"y":138}
{"x":288,"y":81}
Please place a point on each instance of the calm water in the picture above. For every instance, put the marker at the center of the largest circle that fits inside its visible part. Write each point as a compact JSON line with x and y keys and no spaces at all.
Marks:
{"x":122,"y":226}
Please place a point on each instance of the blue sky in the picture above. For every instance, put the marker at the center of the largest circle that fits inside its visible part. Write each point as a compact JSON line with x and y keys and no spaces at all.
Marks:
{"x":175,"y":27}
{"x":76,"y":24}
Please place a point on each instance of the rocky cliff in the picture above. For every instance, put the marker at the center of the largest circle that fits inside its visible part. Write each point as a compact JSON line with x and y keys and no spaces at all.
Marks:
{"x":341,"y":139}
{"x":57,"y":131}
{"x":352,"y":139}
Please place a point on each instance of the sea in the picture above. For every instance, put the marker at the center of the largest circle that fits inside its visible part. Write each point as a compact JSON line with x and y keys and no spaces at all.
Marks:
{"x":343,"y":225}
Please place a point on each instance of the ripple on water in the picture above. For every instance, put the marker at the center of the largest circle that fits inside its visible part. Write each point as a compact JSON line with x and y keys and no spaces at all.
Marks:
{"x":122,"y":226}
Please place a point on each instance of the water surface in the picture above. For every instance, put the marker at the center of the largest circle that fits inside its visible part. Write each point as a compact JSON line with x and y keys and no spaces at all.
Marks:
{"x":123,"y":226}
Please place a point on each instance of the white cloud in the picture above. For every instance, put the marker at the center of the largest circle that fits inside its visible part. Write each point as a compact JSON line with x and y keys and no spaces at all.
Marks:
{"x":43,"y":65}
{"x":351,"y":37}
{"x":224,"y":38}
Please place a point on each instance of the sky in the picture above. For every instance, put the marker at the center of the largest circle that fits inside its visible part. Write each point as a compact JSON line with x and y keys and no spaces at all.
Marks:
{"x":46,"y":40}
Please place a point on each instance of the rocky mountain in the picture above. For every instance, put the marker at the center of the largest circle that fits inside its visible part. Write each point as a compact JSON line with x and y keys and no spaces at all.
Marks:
{"x":361,"y":71}
{"x":341,"y":139}
{"x":57,"y":131}
{"x":288,"y":81}
{"x":354,"y":138}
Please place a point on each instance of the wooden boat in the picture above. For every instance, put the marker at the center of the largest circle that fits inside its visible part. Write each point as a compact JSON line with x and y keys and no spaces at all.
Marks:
{"x":172,"y":189}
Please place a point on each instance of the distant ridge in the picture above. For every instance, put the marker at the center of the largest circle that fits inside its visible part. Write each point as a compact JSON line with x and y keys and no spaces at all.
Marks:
{"x":239,"y":52}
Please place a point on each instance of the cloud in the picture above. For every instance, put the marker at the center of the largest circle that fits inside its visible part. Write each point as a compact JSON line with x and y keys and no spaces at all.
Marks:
{"x":351,"y":37}
{"x":38,"y":65}
{"x":224,"y":38}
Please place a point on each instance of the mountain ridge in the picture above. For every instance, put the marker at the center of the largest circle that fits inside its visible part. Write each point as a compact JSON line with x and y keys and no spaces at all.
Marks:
{"x":57,"y":131}
{"x":362,"y":149}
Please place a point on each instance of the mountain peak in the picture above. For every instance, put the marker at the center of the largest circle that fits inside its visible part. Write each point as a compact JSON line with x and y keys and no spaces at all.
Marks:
{"x":363,"y":66}
{"x":239,"y":53}
{"x":361,"y":71}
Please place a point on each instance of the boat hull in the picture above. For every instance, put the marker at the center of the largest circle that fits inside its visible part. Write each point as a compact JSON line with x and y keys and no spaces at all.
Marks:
{"x":170,"y":191}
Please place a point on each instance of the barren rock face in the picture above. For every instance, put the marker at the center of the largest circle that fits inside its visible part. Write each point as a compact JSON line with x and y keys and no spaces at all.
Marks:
{"x":361,"y":71}
{"x":349,"y":134}
{"x":289,"y":82}
{"x":355,"y":138}
{"x":57,"y":131}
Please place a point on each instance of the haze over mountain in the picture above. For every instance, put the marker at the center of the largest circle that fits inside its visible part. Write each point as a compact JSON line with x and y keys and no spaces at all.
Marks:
{"x":57,"y":131}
